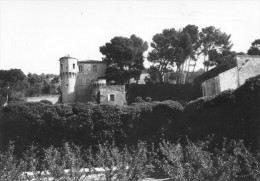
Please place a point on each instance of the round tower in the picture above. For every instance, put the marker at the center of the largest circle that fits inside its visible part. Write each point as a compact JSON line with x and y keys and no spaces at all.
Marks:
{"x":68,"y":74}
{"x":96,"y":85}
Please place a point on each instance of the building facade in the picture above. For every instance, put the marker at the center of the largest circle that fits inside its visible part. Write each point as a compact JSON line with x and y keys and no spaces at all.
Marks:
{"x":81,"y":81}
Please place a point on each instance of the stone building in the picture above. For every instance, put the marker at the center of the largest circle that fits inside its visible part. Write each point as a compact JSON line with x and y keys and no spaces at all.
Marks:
{"x":82,"y":81}
{"x":244,"y":67}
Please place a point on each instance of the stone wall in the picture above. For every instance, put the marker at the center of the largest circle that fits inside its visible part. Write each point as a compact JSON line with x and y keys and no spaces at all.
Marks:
{"x":118,"y":92}
{"x":53,"y":98}
{"x":84,"y":79}
{"x":211,"y":86}
{"x":228,"y":79}
{"x":247,"y":66}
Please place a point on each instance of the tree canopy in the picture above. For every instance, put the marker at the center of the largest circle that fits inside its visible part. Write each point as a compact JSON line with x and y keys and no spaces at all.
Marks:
{"x":214,"y":42}
{"x":172,"y":48}
{"x":124,"y":58}
{"x":255,"y":48}
{"x":180,"y":47}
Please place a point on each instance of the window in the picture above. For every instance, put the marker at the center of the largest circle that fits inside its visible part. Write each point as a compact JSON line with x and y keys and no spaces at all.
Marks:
{"x":74,"y":66}
{"x":80,"y":68}
{"x":61,"y":66}
{"x":94,"y":68}
{"x":111,"y":97}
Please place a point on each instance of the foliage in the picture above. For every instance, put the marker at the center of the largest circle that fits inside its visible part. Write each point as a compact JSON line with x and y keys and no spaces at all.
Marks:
{"x":46,"y":102}
{"x":201,"y":160}
{"x":198,"y":161}
{"x":85,"y":124}
{"x":171,"y":48}
{"x":213,"y":41}
{"x":255,"y":48}
{"x":70,"y":162}
{"x":15,"y":85}
{"x":124,"y":58}
{"x":232,"y":114}
{"x":126,"y":164}
{"x":10,"y":167}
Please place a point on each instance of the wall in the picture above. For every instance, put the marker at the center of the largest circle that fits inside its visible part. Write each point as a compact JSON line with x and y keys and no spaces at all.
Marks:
{"x":118,"y":90}
{"x":211,"y":86}
{"x":83,"y":88}
{"x":68,"y":73}
{"x":53,"y":98}
{"x":228,"y":79}
{"x":161,"y":92}
{"x":248,"y":66}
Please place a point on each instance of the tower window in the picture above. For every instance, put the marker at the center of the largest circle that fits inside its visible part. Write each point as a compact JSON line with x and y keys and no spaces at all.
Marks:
{"x":61,"y":66}
{"x":80,"y":68}
{"x":94,"y":68}
{"x":74,"y":66}
{"x":111,"y":97}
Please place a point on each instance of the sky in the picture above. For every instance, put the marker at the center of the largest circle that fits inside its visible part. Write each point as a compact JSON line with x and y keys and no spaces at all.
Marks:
{"x":34,"y":34}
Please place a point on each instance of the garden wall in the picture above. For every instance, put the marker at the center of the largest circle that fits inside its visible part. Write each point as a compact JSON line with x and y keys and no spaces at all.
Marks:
{"x":157,"y":92}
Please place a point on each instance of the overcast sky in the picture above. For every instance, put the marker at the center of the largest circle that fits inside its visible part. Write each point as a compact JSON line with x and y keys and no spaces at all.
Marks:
{"x":35,"y":34}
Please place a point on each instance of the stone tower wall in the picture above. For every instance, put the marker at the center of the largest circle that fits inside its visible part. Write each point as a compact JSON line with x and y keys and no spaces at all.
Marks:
{"x":68,"y":73}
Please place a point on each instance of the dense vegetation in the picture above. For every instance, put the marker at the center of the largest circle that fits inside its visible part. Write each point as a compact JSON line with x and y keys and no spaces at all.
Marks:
{"x":87,"y":124}
{"x":17,"y":85}
{"x":233,"y":114}
{"x":110,"y":132}
{"x":197,"y":161}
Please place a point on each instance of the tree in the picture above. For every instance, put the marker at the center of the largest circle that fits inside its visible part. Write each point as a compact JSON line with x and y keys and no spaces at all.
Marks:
{"x":172,"y":48}
{"x":124,"y":58}
{"x":10,"y":77}
{"x":212,"y":41}
{"x":162,"y":55}
{"x":255,"y":48}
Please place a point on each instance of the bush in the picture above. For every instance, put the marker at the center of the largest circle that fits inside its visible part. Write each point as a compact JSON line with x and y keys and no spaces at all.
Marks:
{"x":196,"y":161}
{"x":138,"y":99}
{"x":148,"y":99}
{"x":87,"y":124}
{"x":232,"y":113}
{"x":46,"y":102}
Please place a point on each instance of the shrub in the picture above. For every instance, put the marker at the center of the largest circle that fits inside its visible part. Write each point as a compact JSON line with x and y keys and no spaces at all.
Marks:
{"x":148,"y":99}
{"x":195,"y":161}
{"x":222,"y":115}
{"x":46,"y":102}
{"x":88,"y":124}
{"x":10,"y":167}
{"x":138,"y":99}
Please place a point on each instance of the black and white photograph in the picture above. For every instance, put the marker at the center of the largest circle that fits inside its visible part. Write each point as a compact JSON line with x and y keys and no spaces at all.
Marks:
{"x":129,"y":90}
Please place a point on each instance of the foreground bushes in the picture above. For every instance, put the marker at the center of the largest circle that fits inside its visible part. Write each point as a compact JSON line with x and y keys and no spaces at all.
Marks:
{"x":233,"y":114}
{"x":199,"y":161}
{"x":87,"y":124}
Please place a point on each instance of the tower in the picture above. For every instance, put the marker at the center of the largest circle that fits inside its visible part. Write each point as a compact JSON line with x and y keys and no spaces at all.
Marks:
{"x":95,"y":89}
{"x":68,"y":74}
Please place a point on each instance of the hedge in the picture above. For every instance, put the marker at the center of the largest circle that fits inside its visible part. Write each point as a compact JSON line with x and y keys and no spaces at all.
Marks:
{"x":232,"y":113}
{"x":85,"y":124}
